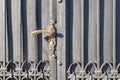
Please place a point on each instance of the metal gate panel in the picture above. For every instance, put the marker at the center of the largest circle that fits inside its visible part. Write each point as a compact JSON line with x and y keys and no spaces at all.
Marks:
{"x":87,"y":39}
{"x":96,"y":65}
{"x":21,"y":59}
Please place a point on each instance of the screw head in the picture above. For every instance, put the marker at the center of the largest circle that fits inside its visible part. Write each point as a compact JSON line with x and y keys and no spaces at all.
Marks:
{"x":59,"y":1}
{"x":59,"y":63}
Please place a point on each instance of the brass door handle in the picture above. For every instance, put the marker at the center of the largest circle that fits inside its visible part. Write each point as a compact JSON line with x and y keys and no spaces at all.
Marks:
{"x":51,"y":40}
{"x":50,"y":31}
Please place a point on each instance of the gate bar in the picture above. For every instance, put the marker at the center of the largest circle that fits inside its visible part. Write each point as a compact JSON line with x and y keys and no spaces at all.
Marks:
{"x":114,"y":34}
{"x":82,"y":33}
{"x":62,"y":27}
{"x":2,"y":30}
{"x":5,"y":32}
{"x":52,"y":16}
{"x":98,"y":35}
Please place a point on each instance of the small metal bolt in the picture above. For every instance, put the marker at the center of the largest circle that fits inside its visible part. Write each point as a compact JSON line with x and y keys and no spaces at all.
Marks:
{"x":59,"y":1}
{"x":59,"y":63}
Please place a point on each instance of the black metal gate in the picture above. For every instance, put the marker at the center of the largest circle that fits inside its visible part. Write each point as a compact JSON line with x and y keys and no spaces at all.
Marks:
{"x":80,"y":39}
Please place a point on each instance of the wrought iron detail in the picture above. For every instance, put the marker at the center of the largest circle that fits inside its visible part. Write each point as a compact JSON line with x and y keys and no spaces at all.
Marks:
{"x":13,"y":70}
{"x":91,"y":71}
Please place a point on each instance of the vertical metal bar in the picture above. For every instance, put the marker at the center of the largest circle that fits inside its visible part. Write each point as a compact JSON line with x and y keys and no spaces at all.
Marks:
{"x":6,"y":53}
{"x":52,"y":15}
{"x":82,"y":33}
{"x":61,"y":42}
{"x":15,"y":10}
{"x":21,"y":37}
{"x":6,"y":39}
{"x":31,"y":26}
{"x":17,"y":30}
{"x":6,"y":30}
{"x":98,"y":35}
{"x":5,"y":4}
{"x":53,"y":9}
{"x":44,"y":23}
{"x":75,"y":22}
{"x":92,"y":33}
{"x":108,"y":29}
{"x":2,"y":30}
{"x":21,"y":41}
{"x":114,"y":34}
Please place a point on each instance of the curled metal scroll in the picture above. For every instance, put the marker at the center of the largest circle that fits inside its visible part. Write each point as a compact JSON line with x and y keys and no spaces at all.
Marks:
{"x":71,"y":74}
{"x":91,"y":70}
{"x":12,"y":78}
{"x":15,"y":70}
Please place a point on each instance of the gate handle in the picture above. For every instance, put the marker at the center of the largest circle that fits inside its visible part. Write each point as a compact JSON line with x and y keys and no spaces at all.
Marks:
{"x":50,"y":31}
{"x":51,"y":38}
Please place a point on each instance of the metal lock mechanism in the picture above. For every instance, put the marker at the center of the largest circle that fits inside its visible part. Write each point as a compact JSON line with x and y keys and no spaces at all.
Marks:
{"x":51,"y":38}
